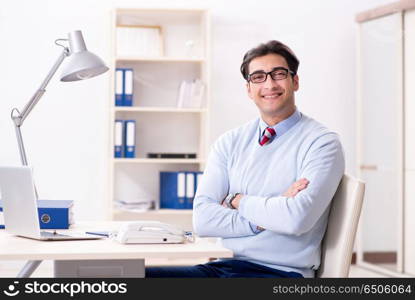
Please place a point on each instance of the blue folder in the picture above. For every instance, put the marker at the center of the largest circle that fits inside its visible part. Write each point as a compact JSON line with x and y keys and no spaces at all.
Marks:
{"x":190,"y":189}
{"x":119,"y":87}
{"x":173,"y":190}
{"x":197,"y":179}
{"x":192,"y":181}
{"x":118,"y":138}
{"x":129,"y":140}
{"x":53,"y":214}
{"x":128,"y":87}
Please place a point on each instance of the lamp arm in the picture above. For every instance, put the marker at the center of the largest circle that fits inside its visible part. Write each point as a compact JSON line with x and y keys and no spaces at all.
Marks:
{"x":19,"y":117}
{"x":41,"y":90}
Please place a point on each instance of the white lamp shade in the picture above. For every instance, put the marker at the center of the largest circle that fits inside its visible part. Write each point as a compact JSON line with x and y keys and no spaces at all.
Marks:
{"x":82,"y":65}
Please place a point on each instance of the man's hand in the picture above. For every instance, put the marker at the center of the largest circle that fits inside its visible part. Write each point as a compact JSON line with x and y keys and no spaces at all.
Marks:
{"x":293,"y":190}
{"x":296,"y":187}
{"x":235,"y":201}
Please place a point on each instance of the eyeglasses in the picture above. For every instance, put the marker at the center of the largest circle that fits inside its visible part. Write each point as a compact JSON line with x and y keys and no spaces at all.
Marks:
{"x":278,"y":73}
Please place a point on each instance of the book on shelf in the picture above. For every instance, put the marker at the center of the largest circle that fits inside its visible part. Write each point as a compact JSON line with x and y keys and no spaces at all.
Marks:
{"x":190,"y":94}
{"x":178,"y":189}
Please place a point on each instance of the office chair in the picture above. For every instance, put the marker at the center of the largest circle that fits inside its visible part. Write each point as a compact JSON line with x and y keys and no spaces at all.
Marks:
{"x":337,"y":244}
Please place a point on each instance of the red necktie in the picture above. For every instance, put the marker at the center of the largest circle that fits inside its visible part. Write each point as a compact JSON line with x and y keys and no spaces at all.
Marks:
{"x":269,"y":132}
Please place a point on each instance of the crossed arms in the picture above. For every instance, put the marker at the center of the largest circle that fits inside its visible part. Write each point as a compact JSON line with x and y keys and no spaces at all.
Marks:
{"x":294,"y":212}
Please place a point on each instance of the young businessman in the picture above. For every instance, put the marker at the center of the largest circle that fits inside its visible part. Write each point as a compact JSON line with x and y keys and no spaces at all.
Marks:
{"x":268,"y":184}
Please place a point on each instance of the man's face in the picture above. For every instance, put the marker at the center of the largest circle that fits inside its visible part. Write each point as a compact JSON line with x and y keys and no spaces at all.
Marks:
{"x":274,"y":98}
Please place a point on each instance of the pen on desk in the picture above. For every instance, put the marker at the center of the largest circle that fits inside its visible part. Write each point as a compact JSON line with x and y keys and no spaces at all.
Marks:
{"x":100,"y":233}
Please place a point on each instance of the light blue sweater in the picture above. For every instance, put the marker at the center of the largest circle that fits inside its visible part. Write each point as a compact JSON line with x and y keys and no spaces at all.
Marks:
{"x":294,"y":226}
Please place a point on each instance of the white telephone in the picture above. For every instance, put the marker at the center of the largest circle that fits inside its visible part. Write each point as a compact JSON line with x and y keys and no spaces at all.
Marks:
{"x":149,"y":232}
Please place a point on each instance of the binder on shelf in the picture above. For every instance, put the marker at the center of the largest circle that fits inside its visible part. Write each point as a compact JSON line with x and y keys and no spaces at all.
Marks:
{"x":173,"y":190}
{"x":118,"y":138}
{"x":199,"y":176}
{"x":181,"y":190}
{"x":128,"y":87}
{"x":197,"y":180}
{"x":53,"y":214}
{"x":129,"y":151}
{"x":119,"y":83}
{"x":190,"y":189}
{"x":1,"y":218}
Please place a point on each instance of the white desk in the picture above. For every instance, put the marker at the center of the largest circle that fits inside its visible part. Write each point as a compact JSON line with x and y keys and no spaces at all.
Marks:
{"x":95,"y":252}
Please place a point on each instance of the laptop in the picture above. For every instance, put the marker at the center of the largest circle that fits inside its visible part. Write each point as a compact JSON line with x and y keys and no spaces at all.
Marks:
{"x":20,"y":207}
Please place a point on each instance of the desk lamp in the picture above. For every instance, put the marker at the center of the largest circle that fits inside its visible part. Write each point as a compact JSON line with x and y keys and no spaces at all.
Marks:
{"x":81,"y":64}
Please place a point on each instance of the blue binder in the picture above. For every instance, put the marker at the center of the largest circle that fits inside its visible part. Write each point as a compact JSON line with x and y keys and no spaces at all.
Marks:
{"x":129,"y":142}
{"x":190,"y":189}
{"x":119,"y":86}
{"x":199,"y":176}
{"x":192,"y":182}
{"x":53,"y":214}
{"x":173,"y":190}
{"x":1,"y":218}
{"x":118,"y":138}
{"x":128,"y":87}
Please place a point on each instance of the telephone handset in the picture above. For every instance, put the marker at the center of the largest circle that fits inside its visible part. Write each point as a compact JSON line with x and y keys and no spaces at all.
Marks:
{"x":149,"y":232}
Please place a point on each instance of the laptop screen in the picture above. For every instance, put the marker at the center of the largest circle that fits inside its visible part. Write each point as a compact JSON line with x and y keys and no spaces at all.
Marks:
{"x":19,"y":201}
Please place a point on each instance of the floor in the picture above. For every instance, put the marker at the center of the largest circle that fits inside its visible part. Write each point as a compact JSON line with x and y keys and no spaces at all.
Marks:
{"x":363,"y":273}
{"x":11,"y":269}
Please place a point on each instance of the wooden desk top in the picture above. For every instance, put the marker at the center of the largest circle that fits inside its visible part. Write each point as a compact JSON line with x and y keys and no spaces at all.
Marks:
{"x":15,"y":248}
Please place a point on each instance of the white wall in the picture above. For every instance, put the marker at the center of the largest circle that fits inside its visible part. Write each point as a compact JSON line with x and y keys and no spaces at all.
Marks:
{"x":66,"y":135}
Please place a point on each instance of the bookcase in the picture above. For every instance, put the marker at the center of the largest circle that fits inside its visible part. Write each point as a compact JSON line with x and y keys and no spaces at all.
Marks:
{"x":179,"y":52}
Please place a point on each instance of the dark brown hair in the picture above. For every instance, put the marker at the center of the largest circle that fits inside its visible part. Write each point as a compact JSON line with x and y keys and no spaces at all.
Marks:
{"x":270,"y":47}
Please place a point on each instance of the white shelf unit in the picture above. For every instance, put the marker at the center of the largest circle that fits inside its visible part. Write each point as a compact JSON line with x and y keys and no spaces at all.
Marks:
{"x":160,"y":125}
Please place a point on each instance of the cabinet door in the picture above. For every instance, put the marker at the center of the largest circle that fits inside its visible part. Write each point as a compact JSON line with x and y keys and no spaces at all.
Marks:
{"x":380,"y":87}
{"x":409,"y":225}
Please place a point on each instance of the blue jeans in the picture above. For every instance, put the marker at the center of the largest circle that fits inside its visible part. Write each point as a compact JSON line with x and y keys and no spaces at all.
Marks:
{"x":220,"y":269}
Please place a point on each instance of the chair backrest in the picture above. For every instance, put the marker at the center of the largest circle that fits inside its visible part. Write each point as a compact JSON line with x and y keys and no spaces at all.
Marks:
{"x":337,"y":244}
